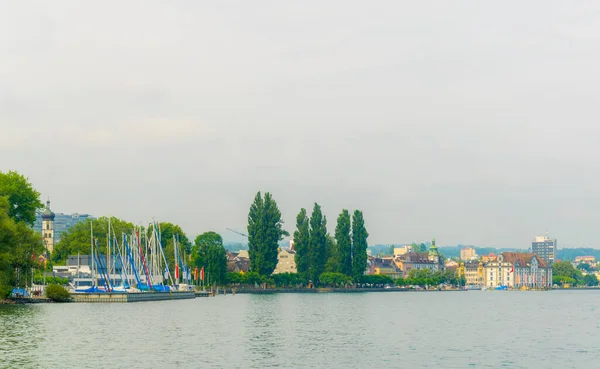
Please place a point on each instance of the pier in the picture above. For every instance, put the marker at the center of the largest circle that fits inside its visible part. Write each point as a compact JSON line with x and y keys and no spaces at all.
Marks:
{"x":132,"y":297}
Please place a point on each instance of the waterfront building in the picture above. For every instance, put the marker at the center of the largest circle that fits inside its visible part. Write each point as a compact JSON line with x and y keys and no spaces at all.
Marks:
{"x":286,"y":262}
{"x":47,"y":228}
{"x":472,"y":271}
{"x":544,"y":247}
{"x":61,"y":222}
{"x":468,"y":253}
{"x":513,"y":269}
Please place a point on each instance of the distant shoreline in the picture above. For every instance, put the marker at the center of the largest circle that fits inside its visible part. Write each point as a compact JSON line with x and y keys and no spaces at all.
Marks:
{"x":329,"y":290}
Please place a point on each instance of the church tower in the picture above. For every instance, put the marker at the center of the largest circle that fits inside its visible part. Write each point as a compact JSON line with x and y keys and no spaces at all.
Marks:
{"x":434,"y":254}
{"x":48,"y":228}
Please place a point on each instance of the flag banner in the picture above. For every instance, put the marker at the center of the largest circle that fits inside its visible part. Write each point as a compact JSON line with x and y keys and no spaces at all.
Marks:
{"x":202,"y":274}
{"x":176,"y":271}
{"x":166,"y":274}
{"x":196,"y":274}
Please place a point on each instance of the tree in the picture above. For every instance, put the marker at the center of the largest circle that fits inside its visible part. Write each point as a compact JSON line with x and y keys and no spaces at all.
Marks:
{"x":422,"y":248}
{"x":23,"y":199}
{"x":77,"y":239}
{"x":334,"y":279}
{"x":584,"y":266}
{"x":566,"y":273}
{"x":317,"y":243}
{"x":301,"y":240}
{"x":57,"y":293}
{"x":590,"y":280}
{"x":344,"y":242}
{"x":209,"y":253}
{"x":359,"y":245}
{"x":19,"y":246}
{"x":331,"y":255}
{"x":265,"y":230}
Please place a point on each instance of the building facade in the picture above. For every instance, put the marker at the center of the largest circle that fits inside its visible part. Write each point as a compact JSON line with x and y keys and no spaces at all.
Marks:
{"x":544,"y":247}
{"x":473,"y":272}
{"x":517,"y":270}
{"x":468,"y":253}
{"x":286,"y":262}
{"x":61,"y":222}
{"x":47,"y":228}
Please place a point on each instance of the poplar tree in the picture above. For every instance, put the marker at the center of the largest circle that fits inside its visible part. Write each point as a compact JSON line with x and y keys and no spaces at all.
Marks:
{"x":359,"y":245}
{"x":301,"y":240}
{"x":317,"y":243}
{"x":265,"y":230}
{"x":344,"y":243}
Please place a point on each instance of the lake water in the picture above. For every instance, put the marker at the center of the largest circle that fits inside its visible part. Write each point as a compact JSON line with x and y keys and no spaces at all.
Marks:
{"x":474,"y":329}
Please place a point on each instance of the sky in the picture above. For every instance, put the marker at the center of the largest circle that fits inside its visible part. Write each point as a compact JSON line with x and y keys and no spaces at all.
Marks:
{"x":472,"y":122}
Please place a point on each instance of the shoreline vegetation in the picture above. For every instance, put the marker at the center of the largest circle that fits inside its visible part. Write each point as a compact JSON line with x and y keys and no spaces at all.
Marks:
{"x":323,"y":261}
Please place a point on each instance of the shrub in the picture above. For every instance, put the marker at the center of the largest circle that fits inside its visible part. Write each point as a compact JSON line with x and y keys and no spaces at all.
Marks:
{"x":57,"y":293}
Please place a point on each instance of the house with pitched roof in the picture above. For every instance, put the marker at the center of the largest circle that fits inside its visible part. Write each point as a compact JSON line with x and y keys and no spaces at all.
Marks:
{"x":517,"y":270}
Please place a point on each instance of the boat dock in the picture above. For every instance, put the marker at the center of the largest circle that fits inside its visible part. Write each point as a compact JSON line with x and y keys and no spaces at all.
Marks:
{"x":104,"y":297}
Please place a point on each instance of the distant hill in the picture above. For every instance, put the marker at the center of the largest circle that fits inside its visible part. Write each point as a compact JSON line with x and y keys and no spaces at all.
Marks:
{"x":235,"y":246}
{"x":571,"y":254}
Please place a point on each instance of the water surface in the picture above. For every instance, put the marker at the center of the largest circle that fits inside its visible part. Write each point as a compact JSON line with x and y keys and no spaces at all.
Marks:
{"x":475,"y":329}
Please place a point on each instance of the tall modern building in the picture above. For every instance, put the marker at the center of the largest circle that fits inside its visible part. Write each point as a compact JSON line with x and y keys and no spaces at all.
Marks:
{"x":59,"y":222}
{"x":544,"y":247}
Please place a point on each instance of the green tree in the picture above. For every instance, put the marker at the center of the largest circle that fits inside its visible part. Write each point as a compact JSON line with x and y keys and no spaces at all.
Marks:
{"x":301,"y":242}
{"x":344,"y":242}
{"x":590,"y":280}
{"x":584,"y":266}
{"x":422,"y":248}
{"x":57,"y":293}
{"x":331,"y":255}
{"x":317,"y":243}
{"x":23,"y":199}
{"x":334,"y":279}
{"x":77,"y":239}
{"x":265,"y":230}
{"x":359,"y":245}
{"x":287,"y":279}
{"x":209,"y":253}
{"x":19,"y":248}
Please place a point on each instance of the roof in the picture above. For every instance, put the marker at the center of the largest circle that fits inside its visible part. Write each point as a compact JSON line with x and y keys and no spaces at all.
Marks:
{"x":47,"y":213}
{"x":523,"y":259}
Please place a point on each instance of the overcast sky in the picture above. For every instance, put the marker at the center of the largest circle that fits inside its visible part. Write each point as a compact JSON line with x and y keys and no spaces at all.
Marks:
{"x":472,"y":122}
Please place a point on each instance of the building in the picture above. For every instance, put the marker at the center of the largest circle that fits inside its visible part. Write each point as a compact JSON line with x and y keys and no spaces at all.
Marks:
{"x":402,"y":250}
{"x":590,"y":260}
{"x":286,"y":262}
{"x":47,"y":228}
{"x":237,"y":263}
{"x":544,"y":247}
{"x":420,"y":260}
{"x":62,"y":222}
{"x":517,"y":270}
{"x":385,"y":265}
{"x":472,"y":271}
{"x":468,"y":253}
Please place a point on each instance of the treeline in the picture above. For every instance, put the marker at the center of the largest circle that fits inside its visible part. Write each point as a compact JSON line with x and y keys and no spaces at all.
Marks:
{"x":20,"y":246}
{"x":564,"y":273}
{"x":316,"y":251}
{"x":295,"y":280}
{"x":427,"y":277}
